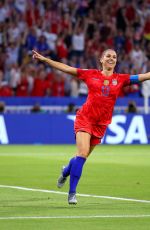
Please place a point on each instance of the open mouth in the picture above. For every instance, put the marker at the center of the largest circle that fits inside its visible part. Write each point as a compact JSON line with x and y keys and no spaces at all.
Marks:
{"x":110,"y":62}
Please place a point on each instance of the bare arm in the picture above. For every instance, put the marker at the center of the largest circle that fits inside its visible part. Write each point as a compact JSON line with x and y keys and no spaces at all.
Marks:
{"x":57,"y":65}
{"x":144,"y":76}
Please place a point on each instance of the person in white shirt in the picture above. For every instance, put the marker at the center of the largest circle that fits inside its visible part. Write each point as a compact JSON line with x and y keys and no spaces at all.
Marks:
{"x":138,"y":57}
{"x":51,"y":38}
{"x":78,"y":39}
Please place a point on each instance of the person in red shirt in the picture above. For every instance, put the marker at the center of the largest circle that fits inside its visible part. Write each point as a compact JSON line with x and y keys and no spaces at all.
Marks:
{"x":39,"y":84}
{"x":147,"y":29}
{"x":96,"y":113}
{"x":6,"y":91}
{"x":22,"y":88}
{"x":62,"y":50}
{"x":58,"y":87}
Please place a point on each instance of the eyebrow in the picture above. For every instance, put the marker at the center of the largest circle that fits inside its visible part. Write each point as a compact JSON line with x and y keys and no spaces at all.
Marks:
{"x":114,"y":55}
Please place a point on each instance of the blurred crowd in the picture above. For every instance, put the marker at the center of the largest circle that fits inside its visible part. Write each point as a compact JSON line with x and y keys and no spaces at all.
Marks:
{"x":74,"y":32}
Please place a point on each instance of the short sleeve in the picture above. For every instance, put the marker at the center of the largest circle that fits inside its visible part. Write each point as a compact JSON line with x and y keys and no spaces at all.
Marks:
{"x":84,"y":74}
{"x":125,"y":79}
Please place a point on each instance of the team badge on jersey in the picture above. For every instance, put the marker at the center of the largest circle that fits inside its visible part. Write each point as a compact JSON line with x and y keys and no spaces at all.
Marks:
{"x":114,"y":82}
{"x":106,"y":82}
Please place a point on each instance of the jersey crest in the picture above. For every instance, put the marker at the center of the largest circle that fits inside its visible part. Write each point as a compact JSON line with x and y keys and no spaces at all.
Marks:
{"x":106,"y":82}
{"x":114,"y":82}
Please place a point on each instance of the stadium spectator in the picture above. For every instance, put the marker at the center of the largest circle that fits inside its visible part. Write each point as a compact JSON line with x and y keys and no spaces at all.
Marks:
{"x":3,"y":57}
{"x":138,"y":58}
{"x":5,"y":89}
{"x":73,"y":30}
{"x":42,"y":45}
{"x":3,"y":12}
{"x":130,"y":12}
{"x":83,"y":90}
{"x":74,"y":88}
{"x":51,"y":39}
{"x":12,"y":52}
{"x":13,"y":31}
{"x":147,"y":28}
{"x":131,"y":107}
{"x":119,"y":41}
{"x":121,"y":21}
{"x":15,"y":75}
{"x":58,"y":88}
{"x":2,"y":107}
{"x":31,"y":39}
{"x":23,"y":84}
{"x":40,"y":84}
{"x":36,"y":108}
{"x":78,"y":40}
{"x":61,"y":48}
{"x":20,"y":5}
{"x":71,"y":108}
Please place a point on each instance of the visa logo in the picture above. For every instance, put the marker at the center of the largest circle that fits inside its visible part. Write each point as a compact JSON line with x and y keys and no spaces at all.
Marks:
{"x":126,"y":133}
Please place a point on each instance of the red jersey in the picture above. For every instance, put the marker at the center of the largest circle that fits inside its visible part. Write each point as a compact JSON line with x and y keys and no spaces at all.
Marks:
{"x":102,"y":94}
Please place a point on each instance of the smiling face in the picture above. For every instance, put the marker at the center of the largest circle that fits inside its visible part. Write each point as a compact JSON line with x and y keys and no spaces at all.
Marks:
{"x":108,"y":59}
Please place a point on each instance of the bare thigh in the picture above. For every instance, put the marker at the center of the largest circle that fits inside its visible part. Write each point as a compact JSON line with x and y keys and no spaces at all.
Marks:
{"x":83,"y":144}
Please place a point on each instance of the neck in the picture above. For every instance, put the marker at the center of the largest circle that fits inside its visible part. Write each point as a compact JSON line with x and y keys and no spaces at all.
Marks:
{"x":107,"y":72}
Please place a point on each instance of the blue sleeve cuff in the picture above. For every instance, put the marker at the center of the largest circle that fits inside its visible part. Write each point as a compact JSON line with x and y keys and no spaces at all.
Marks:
{"x":134,"y":79}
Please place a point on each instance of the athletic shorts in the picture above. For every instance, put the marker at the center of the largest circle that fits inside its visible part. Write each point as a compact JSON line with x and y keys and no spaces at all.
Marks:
{"x":97,"y":131}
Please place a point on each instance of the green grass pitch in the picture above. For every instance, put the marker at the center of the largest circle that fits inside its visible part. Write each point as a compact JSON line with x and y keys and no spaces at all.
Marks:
{"x":116,"y":171}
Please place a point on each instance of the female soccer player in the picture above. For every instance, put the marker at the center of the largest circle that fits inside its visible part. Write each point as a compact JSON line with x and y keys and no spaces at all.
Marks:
{"x":96,"y":113}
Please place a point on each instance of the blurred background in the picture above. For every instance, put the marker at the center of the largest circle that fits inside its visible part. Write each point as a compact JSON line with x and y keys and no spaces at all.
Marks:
{"x":37,"y":103}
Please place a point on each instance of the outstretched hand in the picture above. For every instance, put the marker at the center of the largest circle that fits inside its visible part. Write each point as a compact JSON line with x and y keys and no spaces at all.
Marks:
{"x":38,"y":56}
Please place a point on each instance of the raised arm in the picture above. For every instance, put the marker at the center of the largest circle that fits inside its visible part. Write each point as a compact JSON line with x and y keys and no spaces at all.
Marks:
{"x":54,"y":64}
{"x":144,"y":76}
